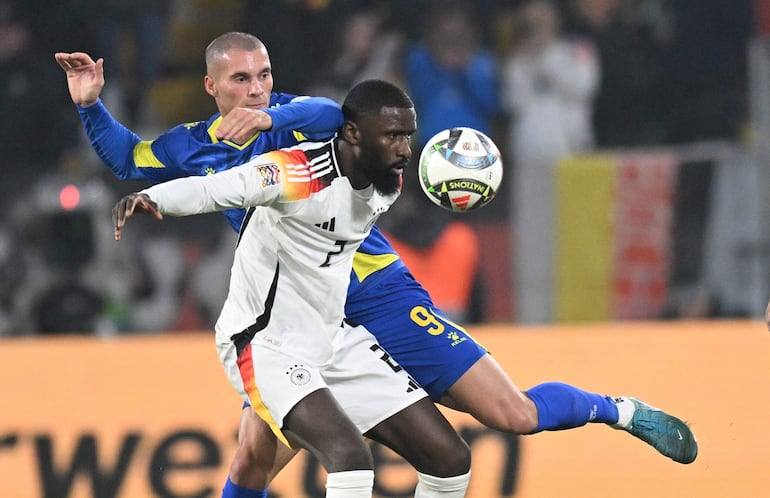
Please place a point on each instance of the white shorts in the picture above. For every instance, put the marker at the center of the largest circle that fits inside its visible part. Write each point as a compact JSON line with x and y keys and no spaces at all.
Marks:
{"x":362,"y":377}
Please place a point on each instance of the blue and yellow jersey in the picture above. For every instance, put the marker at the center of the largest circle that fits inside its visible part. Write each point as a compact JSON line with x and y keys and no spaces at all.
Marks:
{"x":192,"y":149}
{"x":374,"y":265}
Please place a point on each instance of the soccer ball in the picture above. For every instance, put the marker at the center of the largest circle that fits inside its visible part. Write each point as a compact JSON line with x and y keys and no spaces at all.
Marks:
{"x":460,"y":169}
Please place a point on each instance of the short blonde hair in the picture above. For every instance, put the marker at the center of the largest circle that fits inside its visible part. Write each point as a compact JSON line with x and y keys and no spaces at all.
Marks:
{"x":229,"y":41}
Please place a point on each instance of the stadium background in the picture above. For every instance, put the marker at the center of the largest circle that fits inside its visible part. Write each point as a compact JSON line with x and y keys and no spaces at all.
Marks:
{"x":662,"y":300}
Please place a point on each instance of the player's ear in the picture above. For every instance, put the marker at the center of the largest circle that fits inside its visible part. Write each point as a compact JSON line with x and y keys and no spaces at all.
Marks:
{"x":208,"y":84}
{"x":350,"y":132}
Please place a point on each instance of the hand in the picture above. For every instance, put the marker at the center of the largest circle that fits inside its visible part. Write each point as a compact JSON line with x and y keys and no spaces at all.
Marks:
{"x":125,"y":208}
{"x":85,"y":78}
{"x":241,"y":124}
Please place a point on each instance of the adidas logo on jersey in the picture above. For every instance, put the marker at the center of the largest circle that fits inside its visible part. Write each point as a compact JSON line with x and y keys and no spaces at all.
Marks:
{"x":326,"y":225}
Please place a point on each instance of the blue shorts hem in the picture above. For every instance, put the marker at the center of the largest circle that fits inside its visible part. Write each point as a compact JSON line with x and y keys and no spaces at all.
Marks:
{"x":438,"y":388}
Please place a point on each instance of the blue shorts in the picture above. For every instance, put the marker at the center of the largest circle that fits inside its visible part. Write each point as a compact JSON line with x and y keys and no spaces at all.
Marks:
{"x":399,"y":312}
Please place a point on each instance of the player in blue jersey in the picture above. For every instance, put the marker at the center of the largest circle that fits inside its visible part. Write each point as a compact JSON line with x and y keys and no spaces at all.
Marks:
{"x":241,"y":82}
{"x":383,"y":296}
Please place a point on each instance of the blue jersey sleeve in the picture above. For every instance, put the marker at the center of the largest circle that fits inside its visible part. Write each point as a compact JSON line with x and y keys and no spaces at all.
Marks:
{"x":113,"y":142}
{"x":317,"y":118}
{"x":192,"y":149}
{"x":185,"y":150}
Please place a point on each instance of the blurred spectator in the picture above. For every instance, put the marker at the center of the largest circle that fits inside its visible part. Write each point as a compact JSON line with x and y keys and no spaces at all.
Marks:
{"x":13,"y":270}
{"x":706,"y":90}
{"x":52,"y":23}
{"x":210,"y":278}
{"x":131,"y":36}
{"x":450,"y":75}
{"x":549,"y":82}
{"x":37,"y":125}
{"x":672,"y":71}
{"x":440,"y":250}
{"x":298,"y":34}
{"x":630,"y":107}
{"x":706,"y":80}
{"x":364,"y":50}
{"x":78,"y":280}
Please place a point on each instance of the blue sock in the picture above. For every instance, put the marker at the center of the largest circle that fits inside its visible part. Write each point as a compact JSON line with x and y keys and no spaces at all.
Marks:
{"x":561,"y":406}
{"x":234,"y":491}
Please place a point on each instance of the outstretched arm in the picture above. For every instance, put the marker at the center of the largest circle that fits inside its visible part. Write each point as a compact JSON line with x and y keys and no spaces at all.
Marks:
{"x":239,"y":187}
{"x":113,"y":142}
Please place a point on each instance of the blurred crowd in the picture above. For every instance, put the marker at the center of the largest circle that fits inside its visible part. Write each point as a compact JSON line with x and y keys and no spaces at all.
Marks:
{"x":543,"y":78}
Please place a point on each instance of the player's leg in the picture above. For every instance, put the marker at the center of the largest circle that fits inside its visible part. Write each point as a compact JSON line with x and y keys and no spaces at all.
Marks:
{"x":301,"y":412}
{"x":258,"y":458}
{"x":435,"y":436}
{"x":486,"y":392}
{"x":388,"y":406}
{"x":454,"y":369}
{"x":425,"y":439}
{"x":458,"y":372}
{"x":318,"y":424}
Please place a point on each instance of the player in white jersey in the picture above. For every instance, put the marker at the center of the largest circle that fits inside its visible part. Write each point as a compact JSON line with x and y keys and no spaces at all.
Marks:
{"x":281,"y":335}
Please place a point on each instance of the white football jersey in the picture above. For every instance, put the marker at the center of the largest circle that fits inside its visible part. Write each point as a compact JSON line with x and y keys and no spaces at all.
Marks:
{"x":293,"y":259}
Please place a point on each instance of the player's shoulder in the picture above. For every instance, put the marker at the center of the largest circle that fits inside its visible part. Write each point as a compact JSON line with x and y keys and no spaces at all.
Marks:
{"x":190,"y":147}
{"x":317,"y":158}
{"x":279,"y":99}
{"x":200,"y":135}
{"x":312,"y":164}
{"x":197,"y":129}
{"x":377,"y":243}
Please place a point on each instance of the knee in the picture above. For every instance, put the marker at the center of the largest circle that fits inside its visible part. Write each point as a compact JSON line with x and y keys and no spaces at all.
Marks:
{"x":459,"y":461}
{"x":255,"y":461}
{"x":455,"y":460}
{"x":250,"y":465}
{"x":517,"y":415}
{"x":344,"y":454}
{"x":240,"y":467}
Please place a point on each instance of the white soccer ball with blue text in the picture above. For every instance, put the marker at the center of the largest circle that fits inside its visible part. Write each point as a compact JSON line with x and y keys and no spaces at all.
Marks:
{"x":460,"y":169}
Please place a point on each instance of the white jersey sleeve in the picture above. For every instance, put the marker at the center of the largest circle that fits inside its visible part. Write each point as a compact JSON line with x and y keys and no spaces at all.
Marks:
{"x":255,"y":183}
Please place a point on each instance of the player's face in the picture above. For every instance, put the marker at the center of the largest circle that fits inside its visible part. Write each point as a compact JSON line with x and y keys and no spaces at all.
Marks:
{"x":386,"y":147}
{"x":240,"y":79}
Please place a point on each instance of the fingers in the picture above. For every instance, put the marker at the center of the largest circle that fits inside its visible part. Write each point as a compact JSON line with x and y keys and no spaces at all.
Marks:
{"x":122,"y":210}
{"x":241,"y":124}
{"x":128,"y":205}
{"x":81,"y":58}
{"x":61,"y":59}
{"x":75,"y":60}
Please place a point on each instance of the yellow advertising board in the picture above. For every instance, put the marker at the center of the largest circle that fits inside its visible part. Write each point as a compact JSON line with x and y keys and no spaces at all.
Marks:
{"x":153,"y":416}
